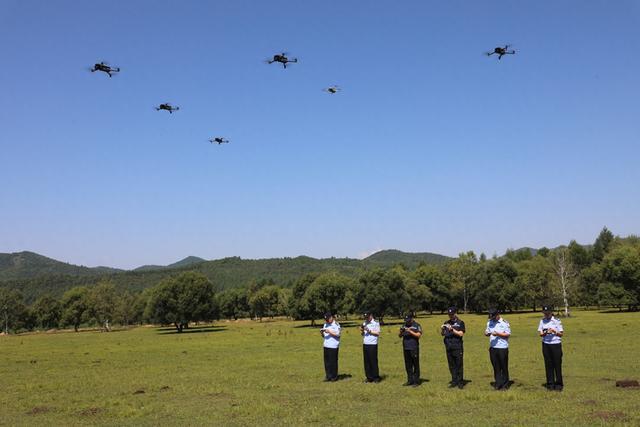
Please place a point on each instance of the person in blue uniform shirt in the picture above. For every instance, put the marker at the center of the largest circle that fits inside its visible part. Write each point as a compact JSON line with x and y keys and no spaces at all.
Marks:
{"x":331,"y":334}
{"x":453,"y":330}
{"x":411,"y":331}
{"x":551,"y":331}
{"x":499,"y":331}
{"x":370,"y":331}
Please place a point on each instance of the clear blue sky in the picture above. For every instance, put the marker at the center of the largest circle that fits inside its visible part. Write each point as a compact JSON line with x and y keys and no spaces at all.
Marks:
{"x":431,"y":146}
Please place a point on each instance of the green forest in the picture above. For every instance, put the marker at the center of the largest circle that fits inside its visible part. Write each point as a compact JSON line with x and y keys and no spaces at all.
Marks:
{"x":603,"y":274}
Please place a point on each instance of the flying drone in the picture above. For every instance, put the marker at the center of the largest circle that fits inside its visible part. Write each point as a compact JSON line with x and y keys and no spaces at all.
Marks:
{"x":168,"y":107}
{"x":500,"y":51}
{"x":332,"y":89}
{"x":219,"y":140}
{"x":105,"y":68}
{"x":282,"y":59}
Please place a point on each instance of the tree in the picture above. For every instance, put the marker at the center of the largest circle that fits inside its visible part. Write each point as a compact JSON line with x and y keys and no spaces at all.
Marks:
{"x":233,"y":303}
{"x":298,"y":304}
{"x":382,"y":291}
{"x":621,"y":267}
{"x":533,"y":281}
{"x":264,"y":302}
{"x":74,"y":307}
{"x":462,"y":273}
{"x":178,"y":300}
{"x":602,"y":244}
{"x":438,"y":284}
{"x":102,"y":304}
{"x":564,"y":274}
{"x":327,"y":293}
{"x":610,"y":294}
{"x":12,"y":309}
{"x":46,"y":312}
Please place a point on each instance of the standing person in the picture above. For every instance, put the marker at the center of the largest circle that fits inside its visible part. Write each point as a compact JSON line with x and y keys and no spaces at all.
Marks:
{"x":411,"y":331}
{"x":453,"y":330}
{"x":499,"y":331}
{"x":370,"y":331}
{"x":551,"y":331}
{"x":331,"y":333}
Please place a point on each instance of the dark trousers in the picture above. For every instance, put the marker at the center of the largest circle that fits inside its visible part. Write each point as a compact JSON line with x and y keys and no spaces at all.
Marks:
{"x":552,"y":354}
{"x":412,"y":365}
{"x":370,"y":353}
{"x":454,"y":359}
{"x":331,"y":363}
{"x":500,"y":362}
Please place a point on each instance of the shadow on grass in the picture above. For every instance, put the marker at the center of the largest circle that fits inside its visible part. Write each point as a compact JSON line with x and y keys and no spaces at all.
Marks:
{"x":192,"y":330}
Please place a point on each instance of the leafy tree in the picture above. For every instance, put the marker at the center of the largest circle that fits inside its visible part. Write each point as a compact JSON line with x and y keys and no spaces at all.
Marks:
{"x":602,"y":244}
{"x":438,"y":284}
{"x":621,"y":266}
{"x":610,"y":294}
{"x":264,"y":302}
{"x":462,"y":272}
{"x":75,"y":304}
{"x":580,"y":257}
{"x":188,"y":297}
{"x":46,"y":312}
{"x":534,"y":280}
{"x":327,"y":293}
{"x":12,"y":309}
{"x":233,"y":303}
{"x":102,"y":304}
{"x":129,"y":308}
{"x":565,"y":274}
{"x":382,"y":291}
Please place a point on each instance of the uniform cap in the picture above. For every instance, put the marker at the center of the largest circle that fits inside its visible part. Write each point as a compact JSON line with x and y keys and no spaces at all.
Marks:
{"x":367,"y":314}
{"x":327,"y":315}
{"x":547,"y":308}
{"x":493,"y":312}
{"x":452,"y":310}
{"x":408,"y":317}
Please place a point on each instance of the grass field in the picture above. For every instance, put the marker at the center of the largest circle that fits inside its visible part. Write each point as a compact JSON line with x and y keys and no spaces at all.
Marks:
{"x":270,"y":373}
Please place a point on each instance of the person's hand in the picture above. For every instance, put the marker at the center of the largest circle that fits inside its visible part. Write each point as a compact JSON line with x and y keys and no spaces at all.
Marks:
{"x":551,"y":331}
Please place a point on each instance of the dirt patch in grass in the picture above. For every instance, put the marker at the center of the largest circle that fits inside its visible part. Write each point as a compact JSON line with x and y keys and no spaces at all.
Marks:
{"x":165,"y":388}
{"x":139,"y":391}
{"x":91,"y":412}
{"x":609,"y":415}
{"x":38,"y":410}
{"x":589,"y":402}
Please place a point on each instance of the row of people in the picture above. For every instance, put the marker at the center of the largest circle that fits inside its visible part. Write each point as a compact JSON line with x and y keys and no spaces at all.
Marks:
{"x":498,"y":330}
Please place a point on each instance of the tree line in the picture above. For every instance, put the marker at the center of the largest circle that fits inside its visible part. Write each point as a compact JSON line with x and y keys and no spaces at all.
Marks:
{"x":606,"y":273}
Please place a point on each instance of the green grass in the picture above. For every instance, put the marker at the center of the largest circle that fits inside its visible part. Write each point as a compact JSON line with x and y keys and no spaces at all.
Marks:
{"x":270,"y":373}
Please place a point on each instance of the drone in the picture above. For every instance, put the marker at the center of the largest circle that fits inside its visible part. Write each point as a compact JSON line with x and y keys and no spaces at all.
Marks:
{"x":500,"y":51}
{"x":167,"y":107}
{"x":219,"y":140}
{"x":104,"y":67}
{"x":332,"y":89}
{"x":282,"y":58}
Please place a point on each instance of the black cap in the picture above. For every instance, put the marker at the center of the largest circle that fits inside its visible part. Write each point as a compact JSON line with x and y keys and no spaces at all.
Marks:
{"x":408,"y":317}
{"x":452,"y":310}
{"x":547,"y":309}
{"x":327,"y":315}
{"x":493,"y":312}
{"x":367,"y":314}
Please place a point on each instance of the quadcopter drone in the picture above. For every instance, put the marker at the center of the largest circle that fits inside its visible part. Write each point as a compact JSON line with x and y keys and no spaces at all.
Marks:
{"x":104,"y":67}
{"x":282,"y":59}
{"x":170,"y":108}
{"x":500,"y":51}
{"x":332,"y":89}
{"x":219,"y":140}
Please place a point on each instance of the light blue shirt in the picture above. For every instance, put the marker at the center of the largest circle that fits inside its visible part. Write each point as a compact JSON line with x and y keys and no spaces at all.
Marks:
{"x":552,"y":323}
{"x":501,"y":326}
{"x":368,"y":338}
{"x":329,"y":340}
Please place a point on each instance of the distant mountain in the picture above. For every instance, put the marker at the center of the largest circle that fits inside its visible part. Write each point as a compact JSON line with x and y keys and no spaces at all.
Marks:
{"x":410,"y":259}
{"x":223,"y":273}
{"x":23,"y":265}
{"x":182,"y":263}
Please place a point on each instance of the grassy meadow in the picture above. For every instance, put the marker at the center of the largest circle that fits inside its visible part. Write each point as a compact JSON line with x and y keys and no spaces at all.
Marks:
{"x":270,"y":373}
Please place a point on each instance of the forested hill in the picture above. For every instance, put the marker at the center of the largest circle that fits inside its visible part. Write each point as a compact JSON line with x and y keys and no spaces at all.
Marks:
{"x":409,"y":259}
{"x":182,"y":263}
{"x":224,"y":273}
{"x":25,"y":265}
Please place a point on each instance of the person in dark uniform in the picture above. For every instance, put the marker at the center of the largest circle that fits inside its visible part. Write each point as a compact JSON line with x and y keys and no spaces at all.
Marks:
{"x":551,"y":331}
{"x":453,"y":330}
{"x":498,"y":330}
{"x":370,"y":331}
{"x":331,"y":333}
{"x":411,"y":331}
